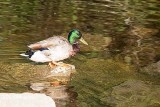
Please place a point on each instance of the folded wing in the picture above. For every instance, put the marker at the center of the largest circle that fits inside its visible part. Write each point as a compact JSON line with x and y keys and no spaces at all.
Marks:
{"x":50,"y":42}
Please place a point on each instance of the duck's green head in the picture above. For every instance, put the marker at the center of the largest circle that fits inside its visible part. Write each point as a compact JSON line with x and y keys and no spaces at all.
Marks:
{"x":75,"y":35}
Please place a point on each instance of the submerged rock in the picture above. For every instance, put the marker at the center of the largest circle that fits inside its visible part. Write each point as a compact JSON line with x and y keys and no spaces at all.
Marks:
{"x":133,"y":93}
{"x":152,"y":69}
{"x":25,"y":100}
{"x":139,"y":43}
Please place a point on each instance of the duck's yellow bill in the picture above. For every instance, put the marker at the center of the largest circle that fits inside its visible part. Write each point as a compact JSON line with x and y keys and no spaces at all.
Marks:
{"x":83,"y":41}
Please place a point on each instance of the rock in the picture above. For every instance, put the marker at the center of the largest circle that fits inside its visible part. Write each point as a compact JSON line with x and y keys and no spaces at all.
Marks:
{"x":61,"y":73}
{"x":152,"y":69}
{"x":140,"y":43}
{"x":22,"y":73}
{"x":25,"y":100}
{"x":63,"y":69}
{"x":133,"y":93}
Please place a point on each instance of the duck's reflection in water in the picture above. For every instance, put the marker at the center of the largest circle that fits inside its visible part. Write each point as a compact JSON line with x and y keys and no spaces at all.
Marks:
{"x":63,"y":95}
{"x":55,"y":84}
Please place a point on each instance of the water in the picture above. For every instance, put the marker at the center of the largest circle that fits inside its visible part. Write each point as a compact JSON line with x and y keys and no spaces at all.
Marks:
{"x":134,"y":26}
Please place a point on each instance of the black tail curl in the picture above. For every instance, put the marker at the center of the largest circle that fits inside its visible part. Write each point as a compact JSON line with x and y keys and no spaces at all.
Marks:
{"x":29,"y":53}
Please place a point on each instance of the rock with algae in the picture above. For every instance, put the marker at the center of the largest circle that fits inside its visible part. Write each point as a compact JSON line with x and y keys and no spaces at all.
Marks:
{"x":37,"y":75}
{"x":61,"y":73}
{"x":140,"y":43}
{"x":133,"y":93}
{"x":152,"y":69}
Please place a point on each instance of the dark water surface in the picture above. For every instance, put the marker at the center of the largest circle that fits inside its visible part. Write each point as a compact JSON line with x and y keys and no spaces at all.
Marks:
{"x":134,"y":26}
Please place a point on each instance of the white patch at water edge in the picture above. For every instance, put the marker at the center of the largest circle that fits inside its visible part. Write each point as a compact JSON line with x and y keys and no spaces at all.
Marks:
{"x":25,"y":100}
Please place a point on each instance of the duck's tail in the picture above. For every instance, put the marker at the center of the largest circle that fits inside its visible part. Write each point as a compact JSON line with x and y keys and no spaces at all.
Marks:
{"x":28,"y":53}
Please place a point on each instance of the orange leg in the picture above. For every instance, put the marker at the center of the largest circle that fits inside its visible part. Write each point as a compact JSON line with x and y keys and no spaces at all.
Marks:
{"x":52,"y":65}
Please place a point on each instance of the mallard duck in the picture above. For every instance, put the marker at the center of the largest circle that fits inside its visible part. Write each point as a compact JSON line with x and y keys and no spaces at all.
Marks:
{"x":55,"y":49}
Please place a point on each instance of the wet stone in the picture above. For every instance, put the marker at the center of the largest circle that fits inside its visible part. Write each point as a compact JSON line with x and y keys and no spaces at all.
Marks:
{"x":62,"y":74}
{"x":133,"y":93}
{"x":139,"y":43}
{"x":63,"y":69}
{"x":25,"y":72}
{"x":152,"y":69}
